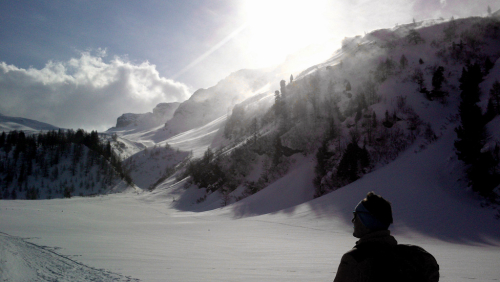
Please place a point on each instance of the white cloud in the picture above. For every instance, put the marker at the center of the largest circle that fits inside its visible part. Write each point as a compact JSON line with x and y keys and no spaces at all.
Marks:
{"x":85,"y":92}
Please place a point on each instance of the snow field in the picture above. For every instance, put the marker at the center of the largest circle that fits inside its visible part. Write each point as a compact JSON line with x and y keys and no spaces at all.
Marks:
{"x":155,"y":244}
{"x":145,"y":237}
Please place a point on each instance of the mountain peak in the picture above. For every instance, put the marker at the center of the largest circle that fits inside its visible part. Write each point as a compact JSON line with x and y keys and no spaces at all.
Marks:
{"x":161,"y":114}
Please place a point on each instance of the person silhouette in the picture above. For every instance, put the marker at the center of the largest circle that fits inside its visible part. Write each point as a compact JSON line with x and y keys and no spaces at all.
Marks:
{"x":377,"y":255}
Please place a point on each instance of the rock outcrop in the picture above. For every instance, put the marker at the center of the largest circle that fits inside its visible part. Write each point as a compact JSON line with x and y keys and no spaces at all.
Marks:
{"x":161,"y":114}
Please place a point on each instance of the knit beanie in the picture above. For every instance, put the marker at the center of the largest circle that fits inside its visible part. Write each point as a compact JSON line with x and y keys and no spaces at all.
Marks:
{"x":375,"y":212}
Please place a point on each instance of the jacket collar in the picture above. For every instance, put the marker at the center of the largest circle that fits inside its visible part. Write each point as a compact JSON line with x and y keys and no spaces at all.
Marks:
{"x":378,"y":237}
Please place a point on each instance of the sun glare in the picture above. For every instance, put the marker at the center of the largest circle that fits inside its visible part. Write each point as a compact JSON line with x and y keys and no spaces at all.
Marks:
{"x":280,"y":27}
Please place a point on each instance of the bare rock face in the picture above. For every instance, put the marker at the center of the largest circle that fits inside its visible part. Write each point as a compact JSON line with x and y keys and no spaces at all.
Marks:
{"x":206,"y":105}
{"x":161,"y":114}
{"x":128,"y":119}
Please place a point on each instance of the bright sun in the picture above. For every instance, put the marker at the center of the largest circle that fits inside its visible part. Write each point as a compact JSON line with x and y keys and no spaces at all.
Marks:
{"x":280,"y":27}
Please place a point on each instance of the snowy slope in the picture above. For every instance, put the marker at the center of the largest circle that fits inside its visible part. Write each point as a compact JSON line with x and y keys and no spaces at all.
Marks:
{"x":153,"y":165}
{"x":23,"y":124}
{"x":196,"y":140}
{"x":141,"y":148}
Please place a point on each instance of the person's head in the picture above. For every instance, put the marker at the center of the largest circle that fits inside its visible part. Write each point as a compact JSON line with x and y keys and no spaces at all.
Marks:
{"x":373,"y":213}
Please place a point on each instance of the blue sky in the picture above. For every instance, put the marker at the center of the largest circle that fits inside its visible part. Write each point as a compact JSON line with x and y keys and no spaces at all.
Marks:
{"x":168,"y":34}
{"x":145,"y":52}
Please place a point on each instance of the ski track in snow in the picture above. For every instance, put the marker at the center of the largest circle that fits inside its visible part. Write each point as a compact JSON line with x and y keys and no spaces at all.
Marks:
{"x":24,"y":261}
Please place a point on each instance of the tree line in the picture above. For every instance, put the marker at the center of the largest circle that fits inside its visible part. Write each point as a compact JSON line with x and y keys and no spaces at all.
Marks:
{"x":56,"y":163}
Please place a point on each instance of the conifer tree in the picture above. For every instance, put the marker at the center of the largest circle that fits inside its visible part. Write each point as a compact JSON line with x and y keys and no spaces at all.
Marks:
{"x":313,"y":94}
{"x":488,"y":65}
{"x":414,"y":37}
{"x":255,"y":130}
{"x":471,"y":134}
{"x":438,"y":78}
{"x":277,"y":103}
{"x":283,"y":107}
{"x":387,"y":121}
{"x":332,"y":129}
{"x":283,"y":88}
{"x":353,"y":162}
{"x":358,"y":116}
{"x":403,"y":62}
{"x":450,"y":30}
{"x":347,"y":85}
{"x":330,"y":100}
{"x":3,"y":136}
{"x":437,"y":82}
{"x":278,"y":150}
{"x":418,"y":77}
{"x":321,"y":168}
{"x":495,"y":96}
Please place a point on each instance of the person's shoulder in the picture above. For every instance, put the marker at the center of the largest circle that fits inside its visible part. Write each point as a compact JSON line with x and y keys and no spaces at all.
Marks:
{"x":358,"y":254}
{"x":369,"y":250}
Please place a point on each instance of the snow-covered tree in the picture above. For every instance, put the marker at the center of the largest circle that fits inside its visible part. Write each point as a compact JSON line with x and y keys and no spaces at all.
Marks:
{"x":414,"y":37}
{"x":437,"y":82}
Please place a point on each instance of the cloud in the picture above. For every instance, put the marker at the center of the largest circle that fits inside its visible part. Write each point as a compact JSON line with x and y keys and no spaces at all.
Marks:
{"x":433,"y":9}
{"x":85,"y":92}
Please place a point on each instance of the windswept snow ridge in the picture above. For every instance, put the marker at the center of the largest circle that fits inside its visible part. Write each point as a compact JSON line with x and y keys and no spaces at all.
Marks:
{"x":23,"y":124}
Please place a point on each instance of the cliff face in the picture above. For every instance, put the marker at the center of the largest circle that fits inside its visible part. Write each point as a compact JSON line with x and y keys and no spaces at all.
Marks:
{"x":161,"y":114}
{"x":206,"y":105}
{"x":129,"y":118}
{"x":165,"y":111}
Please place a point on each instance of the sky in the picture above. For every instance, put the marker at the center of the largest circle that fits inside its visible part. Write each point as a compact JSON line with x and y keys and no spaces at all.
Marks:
{"x":83,"y":63}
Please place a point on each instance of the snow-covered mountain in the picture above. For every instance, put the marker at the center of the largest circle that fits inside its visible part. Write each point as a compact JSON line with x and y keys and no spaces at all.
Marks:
{"x":367,"y":79}
{"x":205,"y":109}
{"x":161,"y":114}
{"x":206,"y":105}
{"x":23,"y":124}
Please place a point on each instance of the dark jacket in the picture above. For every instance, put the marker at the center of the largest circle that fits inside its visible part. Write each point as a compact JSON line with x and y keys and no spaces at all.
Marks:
{"x":370,"y":260}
